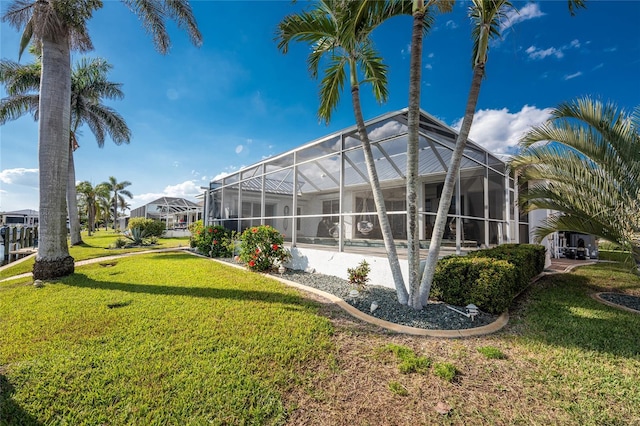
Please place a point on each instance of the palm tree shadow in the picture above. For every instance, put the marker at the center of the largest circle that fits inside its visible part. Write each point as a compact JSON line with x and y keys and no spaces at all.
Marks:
{"x":572,"y":319}
{"x":83,"y":281}
{"x":11,"y":413}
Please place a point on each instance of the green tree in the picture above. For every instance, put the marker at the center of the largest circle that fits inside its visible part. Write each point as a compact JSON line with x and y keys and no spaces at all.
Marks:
{"x":584,"y":164}
{"x":118,"y":191}
{"x":89,"y":87}
{"x":91,"y":196}
{"x":420,"y":11}
{"x":486,"y":16}
{"x":58,"y":26}
{"x":340,"y":31}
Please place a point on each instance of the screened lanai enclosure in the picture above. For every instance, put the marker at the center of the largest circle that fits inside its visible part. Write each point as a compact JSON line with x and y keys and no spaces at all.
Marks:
{"x":319,"y":194}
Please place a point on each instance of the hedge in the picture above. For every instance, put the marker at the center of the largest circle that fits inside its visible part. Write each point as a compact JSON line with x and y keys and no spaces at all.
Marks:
{"x":489,"y":278}
{"x":485,"y":282}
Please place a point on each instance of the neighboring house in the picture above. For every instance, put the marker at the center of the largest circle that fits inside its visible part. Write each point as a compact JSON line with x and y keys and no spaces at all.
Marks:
{"x":176,"y":213}
{"x":320,"y":197}
{"x":26,"y":217}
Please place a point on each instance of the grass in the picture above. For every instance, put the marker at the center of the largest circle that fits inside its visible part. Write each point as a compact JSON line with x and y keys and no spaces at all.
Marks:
{"x":491,"y":352}
{"x":445,"y":370}
{"x":155,"y":339}
{"x":171,"y":338}
{"x":98,"y":245}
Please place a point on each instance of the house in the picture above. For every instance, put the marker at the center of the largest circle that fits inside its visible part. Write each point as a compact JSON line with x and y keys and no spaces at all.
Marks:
{"x":176,"y":213}
{"x":320,"y":197}
{"x":25,"y":217}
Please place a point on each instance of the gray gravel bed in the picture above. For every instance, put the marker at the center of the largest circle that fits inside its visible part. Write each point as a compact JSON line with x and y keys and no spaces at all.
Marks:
{"x":435,"y":316}
{"x":626,"y":300}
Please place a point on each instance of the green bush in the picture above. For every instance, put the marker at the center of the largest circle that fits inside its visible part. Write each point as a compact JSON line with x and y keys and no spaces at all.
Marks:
{"x":485,"y":282}
{"x":213,"y":241}
{"x":150,"y":227}
{"x":359,"y":276}
{"x":527,"y":258}
{"x":261,"y":248}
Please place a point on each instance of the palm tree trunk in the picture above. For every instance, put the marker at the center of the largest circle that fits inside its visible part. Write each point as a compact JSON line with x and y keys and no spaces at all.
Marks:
{"x":413,"y":236}
{"x":449,"y":184}
{"x":53,"y":258}
{"x":378,"y":198}
{"x":72,"y":202}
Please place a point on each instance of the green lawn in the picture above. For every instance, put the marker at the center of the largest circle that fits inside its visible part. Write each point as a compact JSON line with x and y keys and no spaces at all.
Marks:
{"x":170,"y":338}
{"x":165,"y":338}
{"x":97,"y":245}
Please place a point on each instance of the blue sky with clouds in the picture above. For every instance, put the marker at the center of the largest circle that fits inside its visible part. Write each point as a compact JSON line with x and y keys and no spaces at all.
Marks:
{"x":199,"y":112}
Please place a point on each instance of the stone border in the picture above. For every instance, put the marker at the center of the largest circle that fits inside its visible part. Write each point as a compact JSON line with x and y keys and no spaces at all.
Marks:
{"x":596,"y":296}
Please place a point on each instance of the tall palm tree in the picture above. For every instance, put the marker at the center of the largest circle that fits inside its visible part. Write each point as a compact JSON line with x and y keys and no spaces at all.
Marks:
{"x":584,"y":164}
{"x":421,"y":11}
{"x":486,"y":16}
{"x":91,"y":196}
{"x":118,"y":191}
{"x":340,"y":31}
{"x":89,"y":87}
{"x":58,"y":27}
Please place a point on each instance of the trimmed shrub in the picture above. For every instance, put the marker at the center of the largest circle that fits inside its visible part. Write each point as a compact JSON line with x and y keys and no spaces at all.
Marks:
{"x":527,"y":258}
{"x":485,"y":282}
{"x":150,"y":227}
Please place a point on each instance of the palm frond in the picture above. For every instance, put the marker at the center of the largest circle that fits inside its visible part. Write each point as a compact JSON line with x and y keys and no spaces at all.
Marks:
{"x":331,"y":87}
{"x":16,"y":106}
{"x":375,"y":71}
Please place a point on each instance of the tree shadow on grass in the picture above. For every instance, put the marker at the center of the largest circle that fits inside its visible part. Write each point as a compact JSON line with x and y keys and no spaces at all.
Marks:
{"x":10,"y":412}
{"x":561,"y":312}
{"x":83,"y":281}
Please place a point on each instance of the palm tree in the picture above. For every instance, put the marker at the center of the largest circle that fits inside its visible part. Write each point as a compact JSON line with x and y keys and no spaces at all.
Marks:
{"x":89,"y":87}
{"x":90,"y":196}
{"x":584,"y":164}
{"x":118,"y":190}
{"x":340,"y":32}
{"x":421,"y":10}
{"x":486,"y":16}
{"x":57,"y":27}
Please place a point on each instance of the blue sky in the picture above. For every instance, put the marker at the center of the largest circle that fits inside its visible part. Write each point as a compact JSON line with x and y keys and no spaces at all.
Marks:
{"x":199,"y":112}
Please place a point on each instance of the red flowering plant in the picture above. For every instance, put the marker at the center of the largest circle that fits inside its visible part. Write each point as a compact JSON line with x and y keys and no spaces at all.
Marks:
{"x":212,"y":241}
{"x":262,"y":248}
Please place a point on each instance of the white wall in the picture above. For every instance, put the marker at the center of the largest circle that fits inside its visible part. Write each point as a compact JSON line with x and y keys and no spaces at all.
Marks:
{"x":336,"y":264}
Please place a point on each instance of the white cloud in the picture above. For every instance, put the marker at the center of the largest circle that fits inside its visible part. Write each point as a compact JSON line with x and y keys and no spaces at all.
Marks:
{"x":428,"y":67}
{"x":389,"y":128}
{"x":574,"y":75}
{"x":239,"y":149}
{"x":187,"y":189}
{"x":20,"y":176}
{"x":537,"y":54}
{"x":499,"y":131}
{"x":597,"y":67}
{"x":513,"y":16}
{"x":406,"y":51}
{"x":220,"y":176}
{"x":451,"y":24}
